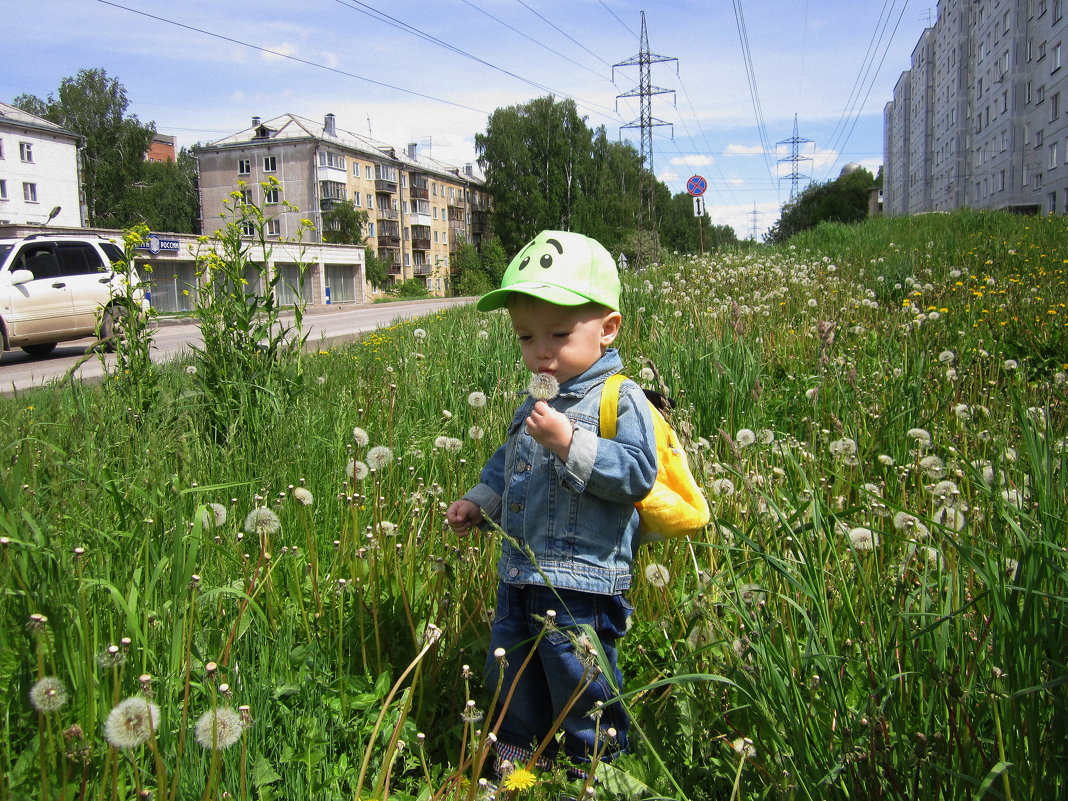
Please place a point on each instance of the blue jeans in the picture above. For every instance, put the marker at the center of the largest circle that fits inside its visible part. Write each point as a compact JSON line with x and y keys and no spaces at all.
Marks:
{"x":556,"y":670}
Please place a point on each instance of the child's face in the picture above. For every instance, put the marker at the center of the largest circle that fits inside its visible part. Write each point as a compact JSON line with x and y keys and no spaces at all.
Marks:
{"x":563,"y":341}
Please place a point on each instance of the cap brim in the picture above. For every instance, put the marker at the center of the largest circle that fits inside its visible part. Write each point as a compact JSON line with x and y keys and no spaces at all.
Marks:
{"x":550,"y":293}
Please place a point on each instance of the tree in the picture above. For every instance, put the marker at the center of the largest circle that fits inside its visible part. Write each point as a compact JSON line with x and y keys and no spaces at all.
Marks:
{"x":344,"y":224}
{"x":844,"y":199}
{"x":94,"y":105}
{"x":376,"y":269}
{"x":494,"y":260}
{"x":681,"y":231}
{"x":165,"y":198}
{"x":471,"y":278}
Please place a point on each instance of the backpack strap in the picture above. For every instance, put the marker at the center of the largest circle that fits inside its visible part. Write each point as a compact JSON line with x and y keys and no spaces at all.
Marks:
{"x":610,"y":404}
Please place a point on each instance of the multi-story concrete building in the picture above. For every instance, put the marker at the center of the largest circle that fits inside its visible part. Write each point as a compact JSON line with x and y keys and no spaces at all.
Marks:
{"x":977,"y":120}
{"x":39,"y":170}
{"x":419,"y":210}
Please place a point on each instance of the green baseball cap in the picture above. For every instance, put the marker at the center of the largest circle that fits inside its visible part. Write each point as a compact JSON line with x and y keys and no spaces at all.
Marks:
{"x":562,"y":268}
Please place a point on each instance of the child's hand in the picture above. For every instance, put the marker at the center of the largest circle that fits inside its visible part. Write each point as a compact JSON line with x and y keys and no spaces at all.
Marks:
{"x":551,"y":429}
{"x":462,"y":515}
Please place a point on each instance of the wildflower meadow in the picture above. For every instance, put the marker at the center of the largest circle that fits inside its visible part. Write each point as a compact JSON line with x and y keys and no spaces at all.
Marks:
{"x":245,"y":589}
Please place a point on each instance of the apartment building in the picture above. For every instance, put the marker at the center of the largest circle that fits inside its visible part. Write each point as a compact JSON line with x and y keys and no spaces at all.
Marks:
{"x":40,"y":180}
{"x":977,"y":120}
{"x":419,"y":209}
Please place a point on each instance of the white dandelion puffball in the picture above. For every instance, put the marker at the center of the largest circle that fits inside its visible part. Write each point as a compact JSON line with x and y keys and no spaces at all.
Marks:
{"x":1011,"y":364}
{"x":543,"y":387}
{"x":303,"y":496}
{"x":452,"y":444}
{"x":947,"y":357}
{"x":863,"y":539}
{"x":657,"y":575}
{"x":378,"y":457}
{"x":646,"y":374}
{"x":933,"y":466}
{"x":48,"y":694}
{"x":812,"y":393}
{"x":360,"y":437}
{"x":419,"y":333}
{"x":219,"y":728}
{"x":476,"y":400}
{"x":131,"y":722}
{"x":921,"y":435}
{"x":745,"y":437}
{"x":744,"y":747}
{"x":213,"y":514}
{"x":357,"y":470}
{"x":722,"y":486}
{"x":765,"y":436}
{"x":476,"y":432}
{"x":439,"y":441}
{"x":262,"y":521}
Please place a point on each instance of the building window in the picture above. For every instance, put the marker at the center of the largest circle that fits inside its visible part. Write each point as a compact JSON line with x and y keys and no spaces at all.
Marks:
{"x":3,"y":189}
{"x":1058,"y":10}
{"x":356,"y":169}
{"x":1054,"y":106}
{"x":356,"y":199}
{"x":29,"y":192}
{"x":248,"y":230}
{"x":274,"y":227}
{"x":244,"y":166}
{"x":1052,"y":197}
{"x":328,"y":158}
{"x":26,"y":152}
{"x":1055,"y":63}
{"x":246,"y":197}
{"x":1027,"y":92}
{"x":1053,"y":156}
{"x":370,"y":201}
{"x":369,"y":172}
{"x":270,"y":164}
{"x":270,"y":196}
{"x":1,"y":148}
{"x":370,"y":229}
{"x":1001,"y":181}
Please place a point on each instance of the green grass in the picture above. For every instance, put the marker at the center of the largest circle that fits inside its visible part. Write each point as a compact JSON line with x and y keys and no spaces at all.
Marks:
{"x":931,"y":665}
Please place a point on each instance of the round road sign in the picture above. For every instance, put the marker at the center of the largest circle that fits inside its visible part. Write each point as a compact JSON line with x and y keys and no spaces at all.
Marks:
{"x":696,"y":185}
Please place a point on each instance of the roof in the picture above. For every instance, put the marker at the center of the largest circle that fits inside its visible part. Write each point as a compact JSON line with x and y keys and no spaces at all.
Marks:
{"x":24,"y":119}
{"x":292,"y":128}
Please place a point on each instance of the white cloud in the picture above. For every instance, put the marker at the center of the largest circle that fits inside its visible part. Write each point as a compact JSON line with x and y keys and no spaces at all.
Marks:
{"x":692,"y":161}
{"x":744,"y":150}
{"x":280,"y":51}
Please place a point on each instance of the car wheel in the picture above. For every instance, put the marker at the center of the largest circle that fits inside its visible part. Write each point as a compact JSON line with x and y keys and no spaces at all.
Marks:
{"x":40,"y":349}
{"x":110,"y":328}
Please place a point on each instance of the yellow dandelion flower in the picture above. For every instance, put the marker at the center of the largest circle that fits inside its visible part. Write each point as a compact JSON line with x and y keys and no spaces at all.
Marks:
{"x":519,"y":779}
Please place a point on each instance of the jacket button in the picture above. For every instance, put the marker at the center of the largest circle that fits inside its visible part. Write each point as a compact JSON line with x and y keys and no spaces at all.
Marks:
{"x":513,"y":572}
{"x":521,"y":466}
{"x":516,"y":507}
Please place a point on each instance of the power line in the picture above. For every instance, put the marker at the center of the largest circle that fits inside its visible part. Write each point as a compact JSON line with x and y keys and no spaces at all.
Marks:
{"x":297,"y":59}
{"x":754,"y":94}
{"x":562,"y":32}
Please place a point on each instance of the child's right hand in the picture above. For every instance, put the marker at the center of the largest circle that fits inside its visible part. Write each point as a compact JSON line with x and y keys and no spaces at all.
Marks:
{"x":462,"y":515}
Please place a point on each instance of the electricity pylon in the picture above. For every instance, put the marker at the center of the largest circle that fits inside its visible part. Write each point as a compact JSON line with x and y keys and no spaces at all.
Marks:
{"x":794,"y":159}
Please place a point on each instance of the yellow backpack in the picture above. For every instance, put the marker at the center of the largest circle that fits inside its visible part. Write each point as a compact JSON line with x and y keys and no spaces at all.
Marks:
{"x":675,"y":507}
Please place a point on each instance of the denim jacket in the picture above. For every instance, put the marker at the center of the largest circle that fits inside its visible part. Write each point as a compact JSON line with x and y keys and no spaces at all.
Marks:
{"x":577,"y":518}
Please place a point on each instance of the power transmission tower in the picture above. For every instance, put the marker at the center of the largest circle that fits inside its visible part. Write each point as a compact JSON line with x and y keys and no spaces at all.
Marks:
{"x":644,"y":91}
{"x":756,"y":222}
{"x":794,"y":159}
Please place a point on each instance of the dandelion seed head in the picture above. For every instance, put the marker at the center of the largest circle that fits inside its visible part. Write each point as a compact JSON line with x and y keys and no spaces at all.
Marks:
{"x":745,"y":437}
{"x":744,"y":747}
{"x":261,"y":521}
{"x":303,"y":496}
{"x":131,"y":722}
{"x":357,"y":470}
{"x":419,"y":333}
{"x":543,"y":387}
{"x":921,"y":436}
{"x":476,"y":432}
{"x":219,"y":728}
{"x":933,"y":466}
{"x":657,"y":574}
{"x":863,"y":539}
{"x":360,"y":437}
{"x":48,"y":694}
{"x":452,"y":444}
{"x":476,"y":400}
{"x":379,"y":457}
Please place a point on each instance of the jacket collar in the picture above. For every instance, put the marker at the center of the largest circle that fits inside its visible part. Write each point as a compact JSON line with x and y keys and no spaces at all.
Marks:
{"x":607,"y":365}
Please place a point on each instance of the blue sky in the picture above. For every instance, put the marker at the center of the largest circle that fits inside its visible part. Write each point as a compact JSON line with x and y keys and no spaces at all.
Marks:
{"x":201,"y":69}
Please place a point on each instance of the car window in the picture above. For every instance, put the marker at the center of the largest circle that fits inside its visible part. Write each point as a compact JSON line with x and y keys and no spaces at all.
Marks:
{"x":114,"y":253}
{"x":39,"y":260}
{"x":4,"y":250}
{"x":78,"y":258}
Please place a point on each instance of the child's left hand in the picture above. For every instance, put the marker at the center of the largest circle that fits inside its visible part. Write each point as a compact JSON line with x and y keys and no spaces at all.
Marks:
{"x":551,"y":429}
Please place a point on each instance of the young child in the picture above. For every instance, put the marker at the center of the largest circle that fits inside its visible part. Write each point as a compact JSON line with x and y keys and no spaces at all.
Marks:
{"x":566,"y":497}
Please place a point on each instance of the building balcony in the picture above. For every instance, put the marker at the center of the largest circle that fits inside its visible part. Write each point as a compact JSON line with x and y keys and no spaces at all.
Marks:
{"x":386,"y":187}
{"x":386,"y":214}
{"x":419,"y":219}
{"x":455,"y":203}
{"x":388,"y":241}
{"x":421,"y":269}
{"x":459,"y":225}
{"x":418,"y":243}
{"x":418,"y":192}
{"x":394,"y":268}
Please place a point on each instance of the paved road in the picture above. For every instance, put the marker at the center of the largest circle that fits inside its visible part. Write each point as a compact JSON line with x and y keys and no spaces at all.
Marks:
{"x":326,"y":325}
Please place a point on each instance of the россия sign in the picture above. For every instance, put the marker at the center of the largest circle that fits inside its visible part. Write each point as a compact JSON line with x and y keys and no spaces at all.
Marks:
{"x":156,"y":245}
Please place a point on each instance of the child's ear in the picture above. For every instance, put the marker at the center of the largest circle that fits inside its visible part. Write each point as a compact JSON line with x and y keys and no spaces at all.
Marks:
{"x":610,"y":328}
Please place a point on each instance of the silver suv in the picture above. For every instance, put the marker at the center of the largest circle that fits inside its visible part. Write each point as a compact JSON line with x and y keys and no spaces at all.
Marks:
{"x":58,"y":287}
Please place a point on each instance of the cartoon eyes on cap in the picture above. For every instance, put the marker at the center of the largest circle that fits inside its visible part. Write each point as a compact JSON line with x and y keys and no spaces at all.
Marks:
{"x":546,"y":261}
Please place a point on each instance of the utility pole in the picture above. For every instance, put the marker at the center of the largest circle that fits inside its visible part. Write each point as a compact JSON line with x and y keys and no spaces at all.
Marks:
{"x":644,"y":91}
{"x":794,"y":159}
